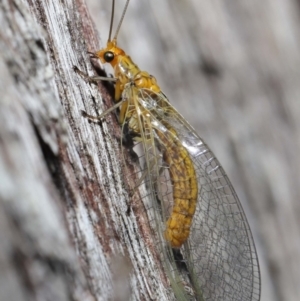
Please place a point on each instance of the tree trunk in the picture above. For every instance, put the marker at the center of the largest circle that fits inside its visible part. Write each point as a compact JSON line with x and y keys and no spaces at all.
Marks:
{"x":67,"y":220}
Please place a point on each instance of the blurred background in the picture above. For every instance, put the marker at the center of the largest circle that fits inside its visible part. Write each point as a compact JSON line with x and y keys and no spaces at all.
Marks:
{"x":232,"y":68}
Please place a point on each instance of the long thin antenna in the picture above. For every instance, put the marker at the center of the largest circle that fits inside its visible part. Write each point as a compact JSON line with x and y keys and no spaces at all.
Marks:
{"x":111,"y":20}
{"x":121,"y":20}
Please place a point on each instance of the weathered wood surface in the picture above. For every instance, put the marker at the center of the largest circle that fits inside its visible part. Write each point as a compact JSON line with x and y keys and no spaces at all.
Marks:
{"x":67,"y":232}
{"x":231,"y":68}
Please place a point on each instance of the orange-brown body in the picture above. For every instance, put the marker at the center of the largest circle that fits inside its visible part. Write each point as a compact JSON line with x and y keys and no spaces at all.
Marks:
{"x":220,"y":257}
{"x":175,"y":155}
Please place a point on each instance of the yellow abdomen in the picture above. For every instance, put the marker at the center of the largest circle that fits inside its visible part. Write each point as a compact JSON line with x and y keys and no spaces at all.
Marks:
{"x":185,"y":189}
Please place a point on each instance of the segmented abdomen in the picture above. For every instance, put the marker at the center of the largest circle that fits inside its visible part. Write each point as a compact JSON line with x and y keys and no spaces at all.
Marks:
{"x":185,"y":188}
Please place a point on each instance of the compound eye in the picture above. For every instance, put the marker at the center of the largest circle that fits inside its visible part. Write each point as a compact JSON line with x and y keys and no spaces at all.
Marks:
{"x":109,"y":56}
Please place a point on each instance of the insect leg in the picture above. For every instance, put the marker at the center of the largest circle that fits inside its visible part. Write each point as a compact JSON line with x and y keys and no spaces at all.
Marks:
{"x":93,"y":79}
{"x":98,"y":118}
{"x":142,"y":178}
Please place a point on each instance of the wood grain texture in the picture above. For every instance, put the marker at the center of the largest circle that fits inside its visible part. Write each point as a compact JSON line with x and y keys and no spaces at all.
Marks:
{"x":67,"y":230}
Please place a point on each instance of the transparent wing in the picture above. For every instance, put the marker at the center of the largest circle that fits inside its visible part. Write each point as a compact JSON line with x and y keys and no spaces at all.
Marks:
{"x":219,"y":254}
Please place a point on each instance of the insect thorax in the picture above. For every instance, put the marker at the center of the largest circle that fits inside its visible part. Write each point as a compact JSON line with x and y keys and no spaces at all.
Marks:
{"x":128,"y":72}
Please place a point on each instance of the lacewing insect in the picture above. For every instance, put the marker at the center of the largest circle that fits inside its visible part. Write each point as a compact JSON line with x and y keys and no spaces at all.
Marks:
{"x":205,"y":227}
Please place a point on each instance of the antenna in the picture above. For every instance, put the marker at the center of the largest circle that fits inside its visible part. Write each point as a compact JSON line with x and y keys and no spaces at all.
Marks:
{"x":122,"y":18}
{"x":111,"y":20}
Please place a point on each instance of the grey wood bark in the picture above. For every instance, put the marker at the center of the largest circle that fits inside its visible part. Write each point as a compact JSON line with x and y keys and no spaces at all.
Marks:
{"x":64,"y":214}
{"x":67,"y":232}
